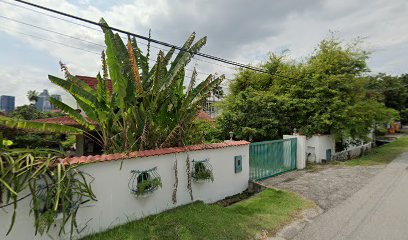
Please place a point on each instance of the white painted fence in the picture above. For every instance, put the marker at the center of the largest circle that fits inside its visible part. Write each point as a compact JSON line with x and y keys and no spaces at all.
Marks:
{"x":116,"y":205}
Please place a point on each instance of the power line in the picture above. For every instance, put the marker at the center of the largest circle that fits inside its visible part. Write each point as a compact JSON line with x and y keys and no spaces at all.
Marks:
{"x":48,"y":40}
{"x":48,"y":30}
{"x":99,"y":30}
{"x":82,"y":49}
{"x":237,"y":64}
{"x":76,"y":38}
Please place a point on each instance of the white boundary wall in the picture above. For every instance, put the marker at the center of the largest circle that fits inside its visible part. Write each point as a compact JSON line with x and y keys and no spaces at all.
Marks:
{"x":301,"y":150}
{"x":317,"y":145}
{"x":116,"y":205}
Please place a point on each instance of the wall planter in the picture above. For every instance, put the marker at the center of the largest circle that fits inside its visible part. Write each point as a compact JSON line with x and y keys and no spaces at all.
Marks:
{"x":144,"y":183}
{"x":202,"y":171}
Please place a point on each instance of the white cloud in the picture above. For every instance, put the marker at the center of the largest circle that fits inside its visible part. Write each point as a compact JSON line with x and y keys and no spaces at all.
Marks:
{"x":239,"y":30}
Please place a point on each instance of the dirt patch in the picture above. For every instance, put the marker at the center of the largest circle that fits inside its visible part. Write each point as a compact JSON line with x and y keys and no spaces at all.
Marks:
{"x":235,"y":198}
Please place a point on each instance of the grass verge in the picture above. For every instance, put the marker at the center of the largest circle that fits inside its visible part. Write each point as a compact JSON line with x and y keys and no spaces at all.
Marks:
{"x":383,"y":154}
{"x":267,"y":210}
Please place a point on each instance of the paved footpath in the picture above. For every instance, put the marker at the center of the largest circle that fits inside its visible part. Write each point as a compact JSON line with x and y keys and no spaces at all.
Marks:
{"x":378,"y":211}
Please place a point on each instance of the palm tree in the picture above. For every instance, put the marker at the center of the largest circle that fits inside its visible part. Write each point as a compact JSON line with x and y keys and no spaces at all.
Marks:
{"x":149,"y":107}
{"x":32,"y":96}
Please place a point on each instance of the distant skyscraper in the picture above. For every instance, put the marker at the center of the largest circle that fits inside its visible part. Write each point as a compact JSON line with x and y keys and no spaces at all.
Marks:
{"x":7,"y":103}
{"x":43,"y":103}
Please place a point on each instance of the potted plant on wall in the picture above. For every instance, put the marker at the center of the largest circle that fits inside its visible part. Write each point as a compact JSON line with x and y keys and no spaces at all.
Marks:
{"x":143,"y":183}
{"x":202,"y":171}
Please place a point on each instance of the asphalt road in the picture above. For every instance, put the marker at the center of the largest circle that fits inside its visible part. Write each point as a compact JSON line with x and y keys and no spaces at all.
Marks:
{"x":379,"y":211}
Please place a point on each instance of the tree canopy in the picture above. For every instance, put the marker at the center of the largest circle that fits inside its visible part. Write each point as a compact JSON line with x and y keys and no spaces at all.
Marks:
{"x":324,"y":94}
{"x":392,"y":91}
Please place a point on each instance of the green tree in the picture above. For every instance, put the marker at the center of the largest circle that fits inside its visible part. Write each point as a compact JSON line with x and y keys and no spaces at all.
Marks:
{"x":148,"y":107}
{"x":392,"y":91}
{"x":32,"y":96}
{"x":324,"y":94}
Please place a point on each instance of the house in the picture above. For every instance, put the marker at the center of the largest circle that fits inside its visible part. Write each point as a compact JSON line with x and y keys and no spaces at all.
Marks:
{"x":210,"y":106}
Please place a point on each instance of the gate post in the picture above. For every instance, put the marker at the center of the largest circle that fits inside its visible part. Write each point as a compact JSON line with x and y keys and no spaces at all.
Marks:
{"x":301,"y":150}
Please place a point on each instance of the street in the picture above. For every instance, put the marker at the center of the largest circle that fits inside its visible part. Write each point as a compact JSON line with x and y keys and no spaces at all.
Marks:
{"x":378,"y":211}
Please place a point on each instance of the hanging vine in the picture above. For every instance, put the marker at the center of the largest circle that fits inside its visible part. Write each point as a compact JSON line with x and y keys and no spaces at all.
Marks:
{"x":55,"y":188}
{"x":174,"y":195}
{"x":188,"y":171}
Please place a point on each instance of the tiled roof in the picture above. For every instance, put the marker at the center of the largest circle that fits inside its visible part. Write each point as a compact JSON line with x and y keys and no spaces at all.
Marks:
{"x":203,"y":115}
{"x":92,"y":82}
{"x":149,"y":153}
{"x":62,"y":121}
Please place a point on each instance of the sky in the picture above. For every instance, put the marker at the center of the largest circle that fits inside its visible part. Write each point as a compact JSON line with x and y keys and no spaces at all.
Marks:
{"x":238,"y":30}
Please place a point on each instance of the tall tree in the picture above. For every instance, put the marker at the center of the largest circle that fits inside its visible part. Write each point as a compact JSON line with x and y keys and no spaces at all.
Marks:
{"x":325,"y":94}
{"x":32,"y":96}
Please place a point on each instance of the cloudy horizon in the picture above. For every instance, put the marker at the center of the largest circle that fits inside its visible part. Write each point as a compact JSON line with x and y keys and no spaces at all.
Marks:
{"x":244,"y":31}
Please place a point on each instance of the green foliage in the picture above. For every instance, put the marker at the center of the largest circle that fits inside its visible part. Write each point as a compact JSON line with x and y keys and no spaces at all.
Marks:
{"x":32,"y":96}
{"x":325,"y":94}
{"x":149,"y":106}
{"x":383,"y":154}
{"x":24,"y":139}
{"x":148,"y":185}
{"x":202,"y":172}
{"x":30,"y":112}
{"x":203,"y":131}
{"x":30,"y":136}
{"x":37,"y":126}
{"x":269,"y":210}
{"x":55,"y":188}
{"x":392,"y":91}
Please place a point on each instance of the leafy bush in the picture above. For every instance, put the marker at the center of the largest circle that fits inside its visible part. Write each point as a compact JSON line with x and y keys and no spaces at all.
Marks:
{"x":203,"y":131}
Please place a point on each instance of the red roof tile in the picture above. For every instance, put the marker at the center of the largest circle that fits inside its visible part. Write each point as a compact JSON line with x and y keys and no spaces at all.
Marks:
{"x":203,"y":115}
{"x":66,"y":120}
{"x":92,"y":82}
{"x":149,"y":153}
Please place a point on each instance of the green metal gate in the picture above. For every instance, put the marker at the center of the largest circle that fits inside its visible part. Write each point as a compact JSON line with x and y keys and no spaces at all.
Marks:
{"x":270,"y":158}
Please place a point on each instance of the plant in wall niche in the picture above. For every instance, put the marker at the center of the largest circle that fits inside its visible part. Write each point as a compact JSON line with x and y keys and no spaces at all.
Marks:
{"x":202,"y":171}
{"x":54,"y":187}
{"x":144,"y":182}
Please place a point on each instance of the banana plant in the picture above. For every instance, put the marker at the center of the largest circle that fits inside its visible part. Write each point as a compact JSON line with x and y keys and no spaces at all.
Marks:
{"x":149,"y":106}
{"x":37,"y":126}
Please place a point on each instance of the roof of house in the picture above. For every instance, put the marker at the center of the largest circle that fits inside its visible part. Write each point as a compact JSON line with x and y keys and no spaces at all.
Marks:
{"x":149,"y":153}
{"x":92,"y":82}
{"x":203,"y":115}
{"x":65,"y":120}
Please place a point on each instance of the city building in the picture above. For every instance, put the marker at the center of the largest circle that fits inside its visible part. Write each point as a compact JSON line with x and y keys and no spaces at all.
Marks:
{"x":43,"y":103}
{"x":7,"y":103}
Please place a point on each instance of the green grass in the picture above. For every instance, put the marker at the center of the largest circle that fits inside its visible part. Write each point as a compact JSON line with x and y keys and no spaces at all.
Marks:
{"x":268,"y":210}
{"x":383,"y":154}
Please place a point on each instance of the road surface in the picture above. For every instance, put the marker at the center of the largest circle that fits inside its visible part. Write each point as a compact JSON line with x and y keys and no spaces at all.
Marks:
{"x":379,"y":211}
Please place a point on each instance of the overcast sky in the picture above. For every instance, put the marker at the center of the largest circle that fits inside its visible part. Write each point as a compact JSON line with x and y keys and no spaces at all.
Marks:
{"x":243,"y":31}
